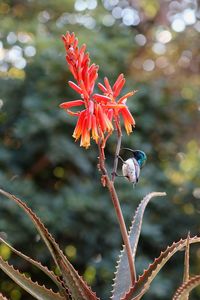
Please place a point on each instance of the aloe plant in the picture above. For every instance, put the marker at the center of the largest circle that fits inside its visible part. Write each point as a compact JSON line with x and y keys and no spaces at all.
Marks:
{"x":102,"y":114}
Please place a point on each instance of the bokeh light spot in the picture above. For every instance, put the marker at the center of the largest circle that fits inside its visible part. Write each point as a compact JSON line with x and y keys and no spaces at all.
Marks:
{"x":174,"y":176}
{"x":59,"y":172}
{"x":163,"y":36}
{"x":20,"y":63}
{"x":189,"y":16}
{"x":130,"y":17}
{"x":162,"y":62}
{"x":80,"y":5}
{"x":140,"y":39}
{"x":15,"y":294}
{"x":150,"y":7}
{"x":15,"y":73}
{"x":117,"y":12}
{"x":184,"y":61}
{"x":188,"y":209}
{"x":44,"y":16}
{"x":11,"y":38}
{"x":92,"y":4}
{"x":148,"y":65}
{"x":159,"y":48}
{"x":108,"y":20}
{"x":187,"y":93}
{"x":113,"y":2}
{"x":71,"y":251}
{"x":178,"y":25}
{"x":14,"y":54}
{"x":3,"y":69}
{"x":5,"y":251}
{"x":1,"y":103}
{"x":196,"y":193}
{"x":24,"y":37}
{"x":88,"y":22}
{"x":29,"y":51}
{"x":89,"y":274}
{"x":2,"y":53}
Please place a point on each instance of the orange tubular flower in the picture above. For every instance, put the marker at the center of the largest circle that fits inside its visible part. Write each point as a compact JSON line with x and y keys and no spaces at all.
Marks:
{"x":95,"y":119}
{"x":108,"y":101}
{"x":92,"y":120}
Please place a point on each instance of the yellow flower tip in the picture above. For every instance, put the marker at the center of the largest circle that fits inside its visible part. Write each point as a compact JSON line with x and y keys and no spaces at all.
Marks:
{"x":76,"y":136}
{"x":129,"y":129}
{"x":85,"y":145}
{"x":109,"y":125}
{"x":85,"y":139}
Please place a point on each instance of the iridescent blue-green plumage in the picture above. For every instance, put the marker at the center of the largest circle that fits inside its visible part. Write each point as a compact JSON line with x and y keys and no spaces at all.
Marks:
{"x":140,"y":156}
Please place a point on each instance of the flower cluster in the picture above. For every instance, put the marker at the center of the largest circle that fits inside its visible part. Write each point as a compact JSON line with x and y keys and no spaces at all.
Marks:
{"x":99,"y":110}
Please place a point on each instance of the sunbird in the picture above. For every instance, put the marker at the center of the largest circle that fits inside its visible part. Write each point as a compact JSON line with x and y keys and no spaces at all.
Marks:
{"x":132,"y":166}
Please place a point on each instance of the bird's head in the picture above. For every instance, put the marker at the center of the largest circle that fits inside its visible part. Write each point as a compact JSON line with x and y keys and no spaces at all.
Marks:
{"x":140,"y":156}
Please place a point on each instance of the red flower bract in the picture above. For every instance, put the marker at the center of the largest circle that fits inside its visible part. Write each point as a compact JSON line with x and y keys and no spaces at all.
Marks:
{"x":108,"y":101}
{"x":98,"y":111}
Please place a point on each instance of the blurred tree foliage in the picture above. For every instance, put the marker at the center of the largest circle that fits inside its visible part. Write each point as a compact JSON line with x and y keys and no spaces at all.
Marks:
{"x":156,"y":45}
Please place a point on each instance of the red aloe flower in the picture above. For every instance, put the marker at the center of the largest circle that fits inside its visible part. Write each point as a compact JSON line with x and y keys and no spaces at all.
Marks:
{"x":92,"y":120}
{"x":108,"y":102}
{"x":95,"y":120}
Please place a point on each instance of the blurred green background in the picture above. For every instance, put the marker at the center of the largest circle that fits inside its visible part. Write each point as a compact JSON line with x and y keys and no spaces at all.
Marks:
{"x":156,"y":44}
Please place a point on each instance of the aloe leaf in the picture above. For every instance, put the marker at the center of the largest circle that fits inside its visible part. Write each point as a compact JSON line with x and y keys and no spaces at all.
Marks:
{"x":143,"y":283}
{"x":122,"y":280}
{"x":186,"y":288}
{"x":33,"y":288}
{"x":186,"y":274}
{"x":44,"y":269}
{"x":78,"y":289}
{"x":3,"y":297}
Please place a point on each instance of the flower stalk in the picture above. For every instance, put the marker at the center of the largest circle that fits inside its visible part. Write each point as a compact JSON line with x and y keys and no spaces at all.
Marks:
{"x":115,"y":200}
{"x":119,"y":141}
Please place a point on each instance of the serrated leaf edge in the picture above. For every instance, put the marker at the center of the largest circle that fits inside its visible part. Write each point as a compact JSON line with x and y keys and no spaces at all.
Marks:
{"x":142,"y":205}
{"x":186,"y":287}
{"x":37,"y":264}
{"x":61,"y":261}
{"x":13,"y":273}
{"x":154,"y":268}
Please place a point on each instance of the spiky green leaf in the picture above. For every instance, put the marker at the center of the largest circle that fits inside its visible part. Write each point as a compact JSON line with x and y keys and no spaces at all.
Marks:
{"x":78,"y":289}
{"x":37,"y":291}
{"x":186,"y":288}
{"x":37,"y":264}
{"x":144,"y":281}
{"x":122,"y":280}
